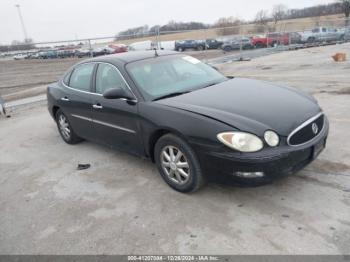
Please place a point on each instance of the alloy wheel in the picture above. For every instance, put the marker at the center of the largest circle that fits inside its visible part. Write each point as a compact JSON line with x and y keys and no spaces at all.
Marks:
{"x":175,"y":165}
{"x":64,"y":127}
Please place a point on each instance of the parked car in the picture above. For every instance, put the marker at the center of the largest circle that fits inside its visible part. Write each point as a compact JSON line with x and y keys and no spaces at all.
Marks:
{"x":82,"y":53}
{"x":192,"y":121}
{"x":65,"y":53}
{"x":99,"y":52}
{"x":20,"y":56}
{"x":271,"y":39}
{"x":189,"y":44}
{"x":116,"y":48}
{"x":213,"y":43}
{"x":347,"y":34}
{"x":31,"y":55}
{"x":166,"y":45}
{"x":48,"y":54}
{"x":235,"y":44}
{"x":141,"y":46}
{"x":322,"y":34}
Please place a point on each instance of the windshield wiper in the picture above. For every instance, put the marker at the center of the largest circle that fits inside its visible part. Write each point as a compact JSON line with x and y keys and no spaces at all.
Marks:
{"x":171,"y":95}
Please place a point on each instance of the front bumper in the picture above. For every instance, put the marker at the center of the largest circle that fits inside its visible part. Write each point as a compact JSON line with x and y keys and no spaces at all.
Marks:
{"x":274,"y":163}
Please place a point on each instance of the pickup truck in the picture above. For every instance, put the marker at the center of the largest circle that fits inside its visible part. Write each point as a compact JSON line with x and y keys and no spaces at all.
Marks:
{"x":189,"y":44}
{"x":213,"y":43}
{"x":272,"y":39}
{"x":322,"y":34}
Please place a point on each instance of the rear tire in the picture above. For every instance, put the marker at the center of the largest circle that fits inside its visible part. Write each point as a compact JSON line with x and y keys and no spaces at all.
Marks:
{"x":227,"y":48}
{"x":200,"y":48}
{"x":259,"y":45}
{"x":65,"y":129}
{"x":311,"y":40}
{"x":178,"y":164}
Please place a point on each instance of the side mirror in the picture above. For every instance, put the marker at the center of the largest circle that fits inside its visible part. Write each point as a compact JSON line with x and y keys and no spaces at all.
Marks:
{"x":117,"y":93}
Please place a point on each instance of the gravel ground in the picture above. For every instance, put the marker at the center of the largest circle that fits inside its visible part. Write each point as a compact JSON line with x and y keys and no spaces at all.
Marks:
{"x":312,"y":70}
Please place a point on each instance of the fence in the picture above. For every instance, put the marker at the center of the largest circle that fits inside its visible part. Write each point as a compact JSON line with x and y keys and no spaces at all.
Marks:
{"x":162,"y":38}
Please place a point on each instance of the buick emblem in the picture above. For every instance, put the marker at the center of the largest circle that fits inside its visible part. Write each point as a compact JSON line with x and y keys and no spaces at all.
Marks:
{"x":314,"y":128}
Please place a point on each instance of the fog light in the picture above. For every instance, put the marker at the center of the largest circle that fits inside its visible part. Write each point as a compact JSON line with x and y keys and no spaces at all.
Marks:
{"x":249,"y":174}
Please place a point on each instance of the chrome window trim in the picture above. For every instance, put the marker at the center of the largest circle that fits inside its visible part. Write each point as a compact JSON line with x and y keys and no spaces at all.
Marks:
{"x":75,"y":89}
{"x":104,"y":123}
{"x":97,"y":94}
{"x":116,"y":68}
{"x":303,"y":125}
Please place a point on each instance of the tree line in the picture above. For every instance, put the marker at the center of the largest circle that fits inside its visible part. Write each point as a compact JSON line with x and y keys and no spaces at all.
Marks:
{"x":278,"y":13}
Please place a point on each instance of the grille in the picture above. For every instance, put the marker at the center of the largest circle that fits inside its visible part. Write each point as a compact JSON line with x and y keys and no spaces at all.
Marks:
{"x":307,"y":131}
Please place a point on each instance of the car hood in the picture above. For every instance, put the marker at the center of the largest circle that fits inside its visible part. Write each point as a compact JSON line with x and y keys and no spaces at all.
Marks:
{"x":249,"y":105}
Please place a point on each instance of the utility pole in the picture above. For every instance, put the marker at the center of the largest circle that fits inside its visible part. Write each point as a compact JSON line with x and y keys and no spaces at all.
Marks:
{"x":22,"y":22}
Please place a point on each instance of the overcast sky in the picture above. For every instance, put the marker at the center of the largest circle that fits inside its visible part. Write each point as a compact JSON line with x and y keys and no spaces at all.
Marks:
{"x":50,"y":20}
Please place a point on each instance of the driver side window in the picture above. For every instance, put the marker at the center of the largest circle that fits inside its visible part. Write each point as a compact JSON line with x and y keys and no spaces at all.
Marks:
{"x":108,"y":77}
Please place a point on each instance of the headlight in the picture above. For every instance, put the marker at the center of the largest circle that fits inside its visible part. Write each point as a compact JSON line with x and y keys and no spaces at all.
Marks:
{"x":271,"y":138}
{"x":241,"y":141}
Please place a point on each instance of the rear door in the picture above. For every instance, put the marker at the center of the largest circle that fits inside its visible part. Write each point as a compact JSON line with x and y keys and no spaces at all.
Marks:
{"x":76,"y":101}
{"x":115,"y":120}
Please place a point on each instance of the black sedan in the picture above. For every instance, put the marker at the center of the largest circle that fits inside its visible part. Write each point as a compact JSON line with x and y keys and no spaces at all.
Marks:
{"x":192,"y":121}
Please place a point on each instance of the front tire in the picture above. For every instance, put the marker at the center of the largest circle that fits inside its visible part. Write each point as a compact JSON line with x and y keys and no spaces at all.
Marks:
{"x":178,"y":164}
{"x":65,"y":129}
{"x":200,"y":48}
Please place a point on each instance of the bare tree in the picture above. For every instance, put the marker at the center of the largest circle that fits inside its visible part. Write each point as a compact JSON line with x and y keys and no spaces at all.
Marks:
{"x":279,"y":12}
{"x":227,"y":21}
{"x":261,"y":17}
{"x":346,"y":10}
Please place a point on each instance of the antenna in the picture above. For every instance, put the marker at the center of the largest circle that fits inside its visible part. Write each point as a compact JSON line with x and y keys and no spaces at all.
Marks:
{"x":155,"y":52}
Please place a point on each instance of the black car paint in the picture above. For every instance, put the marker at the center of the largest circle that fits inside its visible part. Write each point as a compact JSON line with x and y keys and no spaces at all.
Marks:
{"x":197,"y":117}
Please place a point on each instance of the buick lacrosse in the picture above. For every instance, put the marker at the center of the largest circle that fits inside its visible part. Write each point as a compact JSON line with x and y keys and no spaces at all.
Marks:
{"x":192,"y":121}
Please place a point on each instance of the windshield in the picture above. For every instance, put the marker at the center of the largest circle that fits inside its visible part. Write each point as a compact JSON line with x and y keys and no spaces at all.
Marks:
{"x":165,"y":75}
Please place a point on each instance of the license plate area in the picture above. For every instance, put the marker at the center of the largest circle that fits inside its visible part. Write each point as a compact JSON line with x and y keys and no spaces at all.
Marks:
{"x":318,"y":148}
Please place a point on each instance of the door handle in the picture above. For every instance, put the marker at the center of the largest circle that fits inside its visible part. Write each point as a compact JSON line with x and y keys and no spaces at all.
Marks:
{"x":97,"y":106}
{"x":65,"y":99}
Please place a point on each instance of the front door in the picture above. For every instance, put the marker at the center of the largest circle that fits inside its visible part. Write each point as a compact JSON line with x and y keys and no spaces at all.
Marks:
{"x":115,"y":120}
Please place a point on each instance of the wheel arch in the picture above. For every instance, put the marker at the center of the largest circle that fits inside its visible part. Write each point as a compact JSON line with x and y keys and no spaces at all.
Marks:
{"x":156,"y":135}
{"x":55,"y":108}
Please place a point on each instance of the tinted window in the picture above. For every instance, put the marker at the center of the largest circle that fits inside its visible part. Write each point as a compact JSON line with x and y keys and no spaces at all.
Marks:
{"x":66,"y":78}
{"x":81,"y":77}
{"x":324,"y":30}
{"x":108,"y":77}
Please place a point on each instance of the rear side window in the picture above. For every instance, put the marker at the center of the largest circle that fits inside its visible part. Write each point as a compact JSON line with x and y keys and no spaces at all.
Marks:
{"x":81,"y":77}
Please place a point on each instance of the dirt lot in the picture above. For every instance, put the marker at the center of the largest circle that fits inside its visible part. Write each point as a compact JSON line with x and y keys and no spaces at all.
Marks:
{"x":121,"y":205}
{"x":23,"y":78}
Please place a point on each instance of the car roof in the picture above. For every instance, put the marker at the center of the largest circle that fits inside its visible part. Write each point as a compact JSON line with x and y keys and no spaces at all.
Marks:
{"x":132,"y":56}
